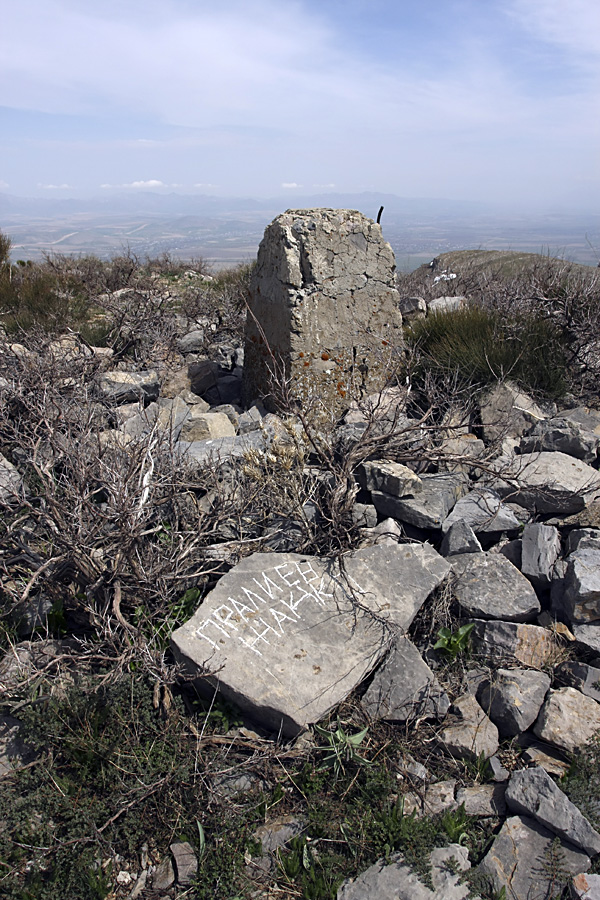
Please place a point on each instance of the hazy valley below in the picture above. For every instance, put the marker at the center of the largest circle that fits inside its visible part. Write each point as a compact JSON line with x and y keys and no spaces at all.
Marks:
{"x":225,"y":231}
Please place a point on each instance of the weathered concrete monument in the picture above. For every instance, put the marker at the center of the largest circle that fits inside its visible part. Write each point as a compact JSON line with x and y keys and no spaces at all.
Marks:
{"x":324,"y":308}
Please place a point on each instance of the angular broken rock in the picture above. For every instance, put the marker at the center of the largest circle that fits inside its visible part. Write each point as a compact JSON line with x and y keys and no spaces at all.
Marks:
{"x":483,"y":799}
{"x":513,"y":698}
{"x":508,"y":411}
{"x":391,"y":477}
{"x":472,"y":735}
{"x":520,"y":860}
{"x":127,"y":387}
{"x":580,"y":601}
{"x":460,"y":538}
{"x":394,"y":880}
{"x":585,"y":887}
{"x":581,"y":676}
{"x":512,"y":642}
{"x":484,"y":511}
{"x":186,"y":863}
{"x":487,"y":585}
{"x":547,"y":482}
{"x":286,"y":637}
{"x":429,"y":507}
{"x":563,"y":435}
{"x":11,"y":483}
{"x":531,"y":792}
{"x":540,"y":548}
{"x":405,"y":687}
{"x":567,"y":719}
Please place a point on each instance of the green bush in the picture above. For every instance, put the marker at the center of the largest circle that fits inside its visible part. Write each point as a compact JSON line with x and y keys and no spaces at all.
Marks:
{"x":479,"y":346}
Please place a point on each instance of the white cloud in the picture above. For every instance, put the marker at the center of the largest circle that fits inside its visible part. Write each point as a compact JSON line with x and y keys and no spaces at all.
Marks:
{"x":290,"y":184}
{"x":575,"y":25}
{"x":55,"y":187}
{"x":151,"y":183}
{"x":322,"y":186}
{"x":4,"y":184}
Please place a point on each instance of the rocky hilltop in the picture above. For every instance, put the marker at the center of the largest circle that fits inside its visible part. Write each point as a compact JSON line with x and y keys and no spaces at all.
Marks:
{"x":266,"y":640}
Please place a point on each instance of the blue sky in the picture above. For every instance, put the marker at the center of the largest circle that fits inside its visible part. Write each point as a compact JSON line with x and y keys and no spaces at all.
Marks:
{"x":493,"y":100}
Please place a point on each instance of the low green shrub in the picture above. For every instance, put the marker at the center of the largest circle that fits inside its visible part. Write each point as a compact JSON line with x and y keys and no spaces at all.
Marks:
{"x":480,"y":346}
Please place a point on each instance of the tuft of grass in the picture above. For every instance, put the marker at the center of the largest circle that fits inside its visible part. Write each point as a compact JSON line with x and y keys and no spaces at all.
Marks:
{"x":482,"y":346}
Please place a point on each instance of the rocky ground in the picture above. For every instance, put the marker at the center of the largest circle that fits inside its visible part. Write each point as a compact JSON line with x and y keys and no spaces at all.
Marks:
{"x":258,"y":654}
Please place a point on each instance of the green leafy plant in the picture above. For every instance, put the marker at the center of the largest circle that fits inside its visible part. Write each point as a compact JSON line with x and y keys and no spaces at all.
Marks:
{"x":454,"y":643}
{"x":342,"y":748}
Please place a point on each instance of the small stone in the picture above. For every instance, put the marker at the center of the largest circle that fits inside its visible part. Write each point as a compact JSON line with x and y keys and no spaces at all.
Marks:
{"x":509,"y":642}
{"x":484,"y":511}
{"x":540,"y":550}
{"x":459,"y":538}
{"x":437,"y":798}
{"x":276,"y":834}
{"x":164,"y":875}
{"x":186,"y":864}
{"x":585,"y":887}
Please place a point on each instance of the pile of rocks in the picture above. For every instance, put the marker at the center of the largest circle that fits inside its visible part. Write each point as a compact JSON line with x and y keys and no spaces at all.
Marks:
{"x":515,"y":542}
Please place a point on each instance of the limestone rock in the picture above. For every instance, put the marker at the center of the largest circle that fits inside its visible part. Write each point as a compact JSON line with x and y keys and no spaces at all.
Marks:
{"x":127,"y":387}
{"x":581,"y":676}
{"x":472,"y":734}
{"x":508,"y":411}
{"x":519,"y":860}
{"x":394,"y":880}
{"x":568,"y":719}
{"x":459,"y":538}
{"x":509,"y":642}
{"x":192,"y":342}
{"x":435,"y":799}
{"x":11,"y":483}
{"x":513,"y":698}
{"x":13,"y":751}
{"x":483,"y":800}
{"x":441,"y":305}
{"x":546,"y":482}
{"x":488,"y":586}
{"x":429,"y":507}
{"x":580,"y":601}
{"x":583,"y":539}
{"x":531,"y":792}
{"x":203,"y":426}
{"x":218,"y":451}
{"x":391,"y":477}
{"x":324,"y":303}
{"x":585,"y":887}
{"x":405,"y":687}
{"x":563,"y":435}
{"x":483,"y":510}
{"x":186,"y":864}
{"x":540,"y":548}
{"x":287,"y":637}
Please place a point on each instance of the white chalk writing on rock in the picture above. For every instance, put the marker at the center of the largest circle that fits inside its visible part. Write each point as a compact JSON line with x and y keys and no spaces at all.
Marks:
{"x":268,"y":604}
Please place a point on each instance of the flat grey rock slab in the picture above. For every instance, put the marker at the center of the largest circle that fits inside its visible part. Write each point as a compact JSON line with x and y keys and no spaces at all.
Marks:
{"x":394,"y":880}
{"x":484,"y":511}
{"x":547,"y":483}
{"x":186,"y":864}
{"x":583,"y":539}
{"x":429,"y":508}
{"x":126,"y":387}
{"x":471,"y":734}
{"x":437,"y":798}
{"x":581,"y":676}
{"x":405,"y":687}
{"x":214,"y":451}
{"x":568,"y":719}
{"x":287,"y":637}
{"x":483,"y":800}
{"x":513,"y":698}
{"x":508,"y":643}
{"x":540,"y":548}
{"x":520,"y":860}
{"x":507,"y":411}
{"x":585,"y":887}
{"x":487,"y":585}
{"x":531,"y":792}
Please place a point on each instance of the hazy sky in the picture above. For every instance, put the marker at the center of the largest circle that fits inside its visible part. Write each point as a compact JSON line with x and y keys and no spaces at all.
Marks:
{"x":473,"y":99}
